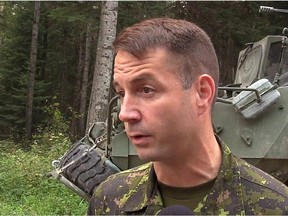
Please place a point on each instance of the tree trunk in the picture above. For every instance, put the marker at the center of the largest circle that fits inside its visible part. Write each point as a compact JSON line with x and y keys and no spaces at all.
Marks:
{"x":77,"y":91}
{"x":104,"y":63}
{"x":62,"y":71}
{"x":45,"y":48}
{"x":83,"y":100}
{"x":32,"y":70}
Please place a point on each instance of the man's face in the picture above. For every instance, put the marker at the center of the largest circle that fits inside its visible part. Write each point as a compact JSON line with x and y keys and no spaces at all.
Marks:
{"x":156,"y":110}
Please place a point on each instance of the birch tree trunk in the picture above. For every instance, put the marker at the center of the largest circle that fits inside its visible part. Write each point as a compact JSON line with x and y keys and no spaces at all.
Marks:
{"x":32,"y":70}
{"x":104,"y":62}
{"x":83,"y":96}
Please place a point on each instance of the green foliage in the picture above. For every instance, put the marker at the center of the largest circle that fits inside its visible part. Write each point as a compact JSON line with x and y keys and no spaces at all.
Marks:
{"x":56,"y":122}
{"x":60,"y":26}
{"x":25,"y":188}
{"x":131,"y":12}
{"x":14,"y":61}
{"x":75,"y":13}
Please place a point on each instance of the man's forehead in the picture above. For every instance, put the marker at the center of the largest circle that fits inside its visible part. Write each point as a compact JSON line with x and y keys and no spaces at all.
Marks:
{"x":122,"y":56}
{"x":139,"y":69}
{"x":125,"y":62}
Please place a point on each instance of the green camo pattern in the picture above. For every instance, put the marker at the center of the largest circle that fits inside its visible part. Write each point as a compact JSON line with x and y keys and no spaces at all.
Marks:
{"x":240,"y":189}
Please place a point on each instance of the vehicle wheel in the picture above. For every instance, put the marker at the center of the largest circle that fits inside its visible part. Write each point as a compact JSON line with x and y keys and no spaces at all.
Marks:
{"x":89,"y":171}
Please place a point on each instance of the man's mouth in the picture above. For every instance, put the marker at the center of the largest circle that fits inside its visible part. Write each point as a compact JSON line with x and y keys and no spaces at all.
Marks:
{"x":139,"y":139}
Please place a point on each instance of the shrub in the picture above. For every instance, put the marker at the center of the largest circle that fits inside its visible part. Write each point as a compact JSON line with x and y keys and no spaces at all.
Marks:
{"x":25,"y":188}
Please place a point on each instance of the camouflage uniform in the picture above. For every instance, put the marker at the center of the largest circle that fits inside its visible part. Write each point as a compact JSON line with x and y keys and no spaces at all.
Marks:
{"x":239,"y":189}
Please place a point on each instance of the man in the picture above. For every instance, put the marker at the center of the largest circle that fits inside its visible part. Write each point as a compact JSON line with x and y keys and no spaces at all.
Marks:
{"x":166,"y":73}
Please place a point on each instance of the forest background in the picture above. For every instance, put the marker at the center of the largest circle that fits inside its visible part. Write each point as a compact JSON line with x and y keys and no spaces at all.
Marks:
{"x":65,"y":52}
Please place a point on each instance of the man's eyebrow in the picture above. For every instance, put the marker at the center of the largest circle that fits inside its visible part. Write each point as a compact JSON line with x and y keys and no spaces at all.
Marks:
{"x":136,"y":79}
{"x":141,"y":78}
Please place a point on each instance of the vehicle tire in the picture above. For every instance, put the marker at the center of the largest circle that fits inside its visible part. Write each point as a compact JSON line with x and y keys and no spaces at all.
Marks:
{"x":89,"y":171}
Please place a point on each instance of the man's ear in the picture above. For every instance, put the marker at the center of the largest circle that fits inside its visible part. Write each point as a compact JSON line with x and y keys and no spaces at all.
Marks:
{"x":205,"y":89}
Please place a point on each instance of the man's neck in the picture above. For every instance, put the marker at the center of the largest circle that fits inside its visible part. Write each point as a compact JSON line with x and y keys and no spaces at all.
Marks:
{"x":192,"y":168}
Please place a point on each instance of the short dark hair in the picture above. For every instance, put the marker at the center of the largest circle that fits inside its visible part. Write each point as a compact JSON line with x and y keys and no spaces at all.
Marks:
{"x":191,"y":48}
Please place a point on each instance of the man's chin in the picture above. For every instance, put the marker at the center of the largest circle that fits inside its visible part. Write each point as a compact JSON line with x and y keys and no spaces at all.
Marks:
{"x":146,"y":157}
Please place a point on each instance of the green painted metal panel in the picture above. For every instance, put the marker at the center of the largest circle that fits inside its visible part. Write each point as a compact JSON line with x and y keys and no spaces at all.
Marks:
{"x":266,"y":136}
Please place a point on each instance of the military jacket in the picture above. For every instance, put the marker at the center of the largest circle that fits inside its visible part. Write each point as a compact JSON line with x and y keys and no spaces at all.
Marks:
{"x":239,"y":189}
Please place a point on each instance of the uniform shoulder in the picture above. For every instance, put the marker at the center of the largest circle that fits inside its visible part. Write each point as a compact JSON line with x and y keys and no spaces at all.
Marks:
{"x":261,"y":180}
{"x":112,"y":193}
{"x":138,"y":171}
{"x":124,"y":180}
{"x":116,"y":190}
{"x":262,"y":193}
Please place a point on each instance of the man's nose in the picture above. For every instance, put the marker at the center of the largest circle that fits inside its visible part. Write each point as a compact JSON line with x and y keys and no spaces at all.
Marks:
{"x":129,"y":111}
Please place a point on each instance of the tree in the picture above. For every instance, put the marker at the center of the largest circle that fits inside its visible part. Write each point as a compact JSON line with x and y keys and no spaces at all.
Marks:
{"x":83,"y":94}
{"x":104,"y":63}
{"x":75,"y":130}
{"x":14,"y":60}
{"x":32,"y":70}
{"x":70,"y":19}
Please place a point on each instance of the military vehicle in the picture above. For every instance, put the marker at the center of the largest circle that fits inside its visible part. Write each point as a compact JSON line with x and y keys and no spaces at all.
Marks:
{"x":251,"y":116}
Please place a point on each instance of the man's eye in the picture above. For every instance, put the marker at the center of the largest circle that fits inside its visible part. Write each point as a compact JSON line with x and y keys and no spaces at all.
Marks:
{"x":147,"y":90}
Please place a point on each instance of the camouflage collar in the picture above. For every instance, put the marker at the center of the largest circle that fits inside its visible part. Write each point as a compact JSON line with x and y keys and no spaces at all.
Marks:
{"x":225,"y":196}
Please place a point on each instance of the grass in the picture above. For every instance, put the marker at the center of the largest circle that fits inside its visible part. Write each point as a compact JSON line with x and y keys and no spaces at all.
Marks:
{"x":25,"y":188}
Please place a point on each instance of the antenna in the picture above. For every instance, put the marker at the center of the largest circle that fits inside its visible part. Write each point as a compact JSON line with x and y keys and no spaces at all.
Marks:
{"x":267,"y":9}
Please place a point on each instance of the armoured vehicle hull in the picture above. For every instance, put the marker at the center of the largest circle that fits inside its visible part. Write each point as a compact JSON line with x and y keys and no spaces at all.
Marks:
{"x":262,"y":141}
